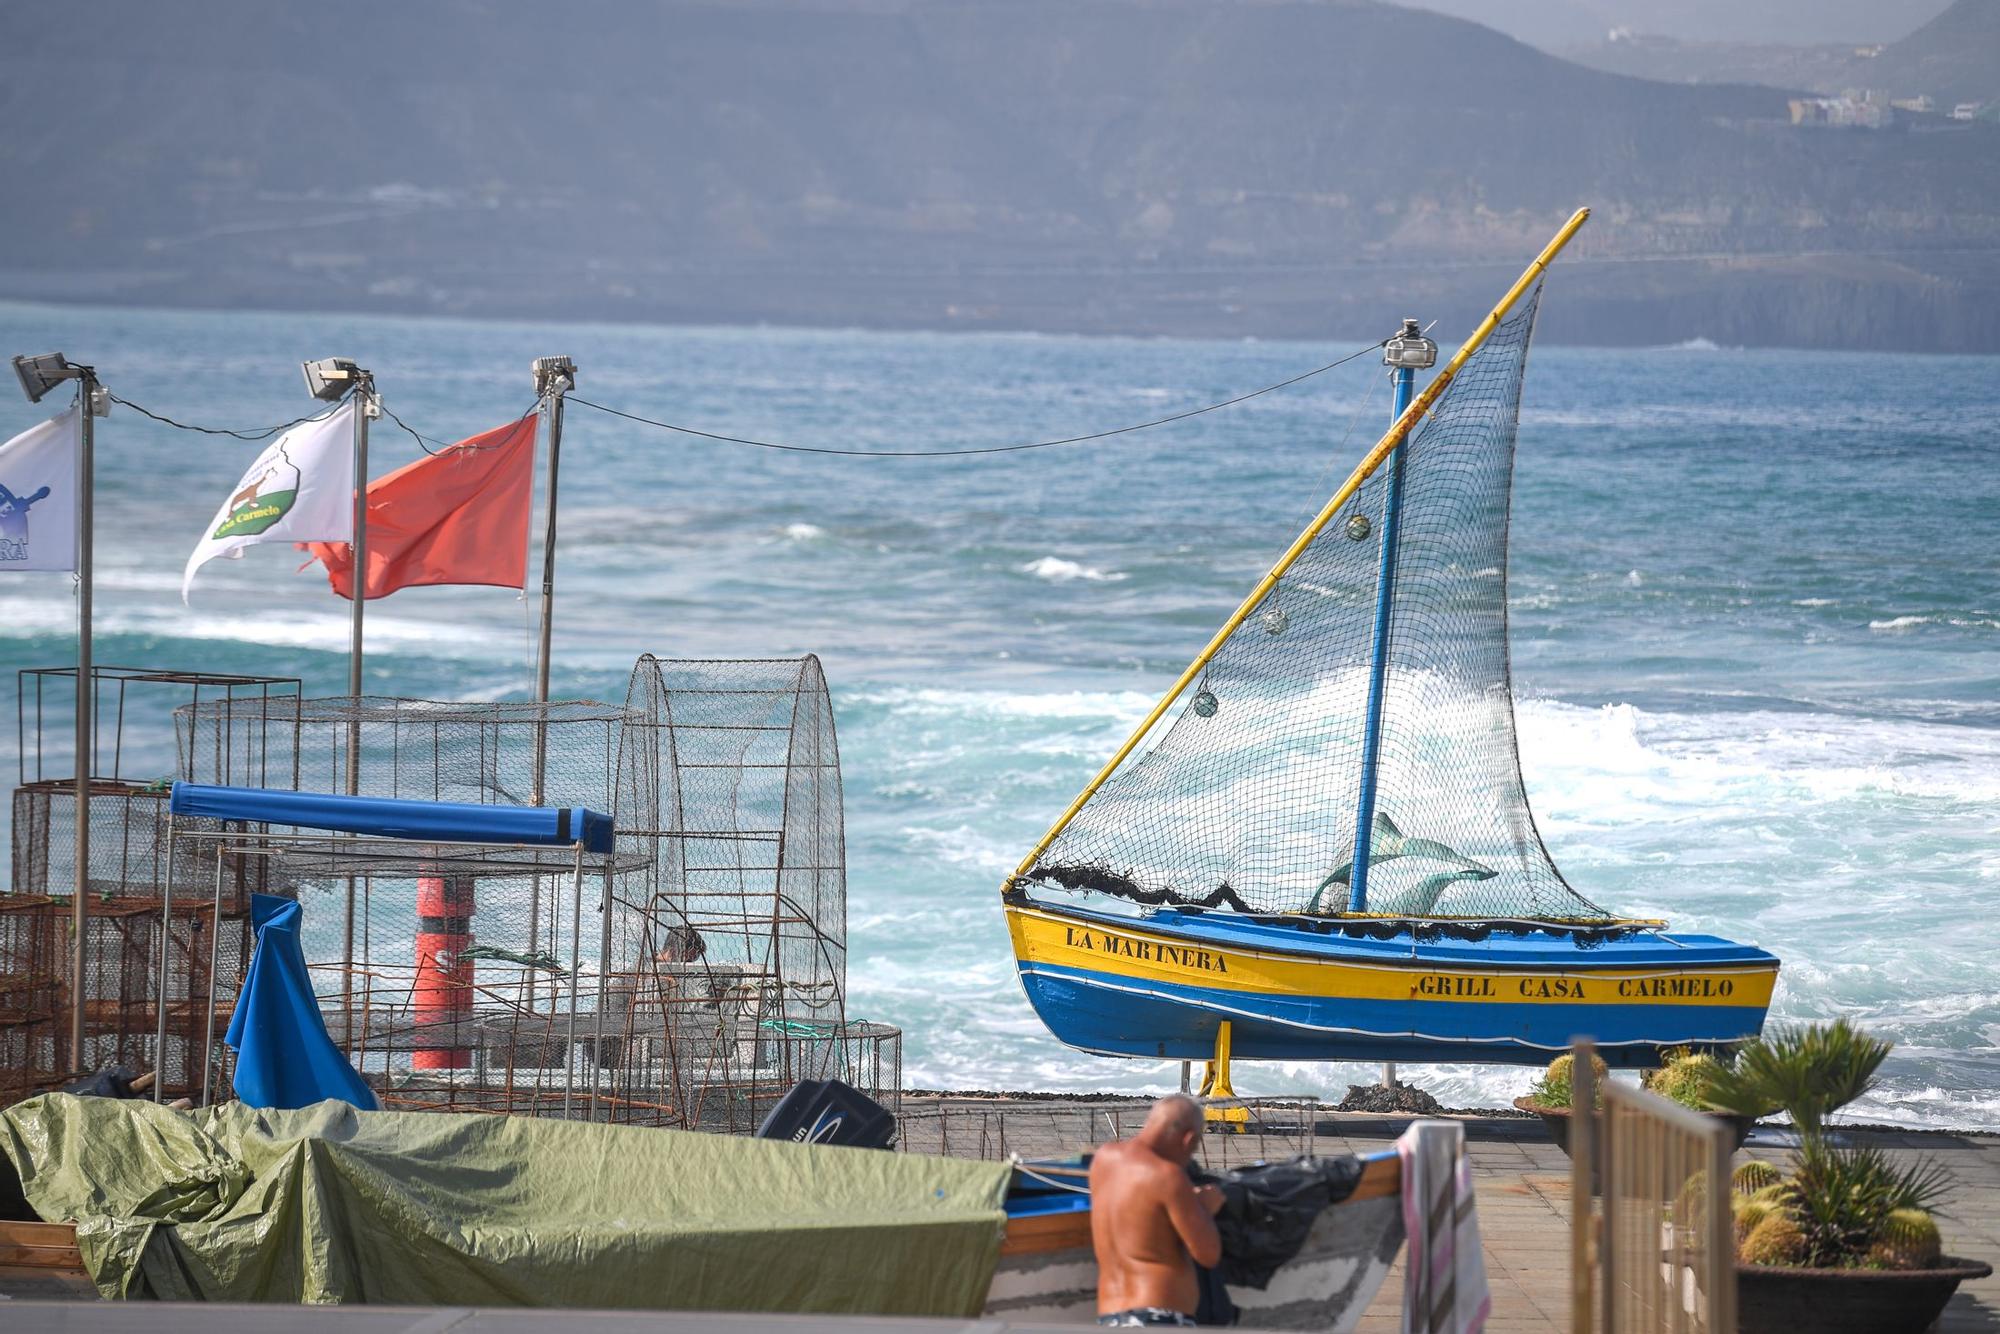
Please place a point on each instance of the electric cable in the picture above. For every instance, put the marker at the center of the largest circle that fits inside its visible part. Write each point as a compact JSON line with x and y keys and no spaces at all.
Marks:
{"x":425,"y":442}
{"x":982,"y":449}
{"x":263,"y":433}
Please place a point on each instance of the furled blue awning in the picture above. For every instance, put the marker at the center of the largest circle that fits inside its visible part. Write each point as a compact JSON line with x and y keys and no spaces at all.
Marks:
{"x":385,"y":817}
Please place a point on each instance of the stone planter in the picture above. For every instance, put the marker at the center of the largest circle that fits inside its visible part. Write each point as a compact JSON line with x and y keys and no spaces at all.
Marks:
{"x":1775,"y":1300}
{"x":1555,"y":1120}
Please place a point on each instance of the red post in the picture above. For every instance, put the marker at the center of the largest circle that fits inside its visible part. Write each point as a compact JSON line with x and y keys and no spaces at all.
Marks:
{"x":442,"y":995}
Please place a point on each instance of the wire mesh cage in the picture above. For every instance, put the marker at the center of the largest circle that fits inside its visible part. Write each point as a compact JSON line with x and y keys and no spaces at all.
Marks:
{"x":689,"y":977}
{"x":562,"y":753}
{"x":34,"y":990}
{"x":126,"y":971}
{"x":725,"y":979}
{"x":391,"y":925}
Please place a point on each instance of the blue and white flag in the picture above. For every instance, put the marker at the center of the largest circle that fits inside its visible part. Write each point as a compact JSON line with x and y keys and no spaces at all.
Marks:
{"x":39,"y":487}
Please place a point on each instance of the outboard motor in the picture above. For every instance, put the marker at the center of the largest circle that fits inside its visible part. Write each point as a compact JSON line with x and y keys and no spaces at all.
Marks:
{"x":826,"y":1111}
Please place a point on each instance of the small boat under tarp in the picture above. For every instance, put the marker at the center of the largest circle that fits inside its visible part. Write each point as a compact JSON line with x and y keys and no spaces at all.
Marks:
{"x":330,"y":1204}
{"x":425,"y":1208}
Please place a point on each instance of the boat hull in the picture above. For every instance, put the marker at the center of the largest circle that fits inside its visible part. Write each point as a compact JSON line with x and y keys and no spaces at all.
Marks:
{"x":1326,"y":1286}
{"x":1295,"y":989}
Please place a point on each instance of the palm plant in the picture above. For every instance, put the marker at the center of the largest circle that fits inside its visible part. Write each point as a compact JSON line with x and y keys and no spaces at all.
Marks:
{"x":1838,"y":1200}
{"x":1809,"y":1071}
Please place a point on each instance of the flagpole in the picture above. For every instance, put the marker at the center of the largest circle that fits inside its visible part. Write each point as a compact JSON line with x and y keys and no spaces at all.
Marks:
{"x":38,"y":375}
{"x":554,"y":377}
{"x":364,"y":389}
{"x":85,"y":698}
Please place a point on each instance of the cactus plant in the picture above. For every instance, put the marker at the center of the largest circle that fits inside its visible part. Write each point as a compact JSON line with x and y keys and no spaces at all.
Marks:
{"x":1775,"y":1241}
{"x":1554,"y":1090}
{"x":1691,"y":1204}
{"x":1779,"y":1192}
{"x":1908,"y":1240}
{"x":1754,"y":1177}
{"x":1685,"y":1078}
{"x":1748,"y":1214}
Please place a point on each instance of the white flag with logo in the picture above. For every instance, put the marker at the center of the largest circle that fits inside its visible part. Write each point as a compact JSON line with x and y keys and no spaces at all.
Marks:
{"x":39,"y":487}
{"x":300,"y":489}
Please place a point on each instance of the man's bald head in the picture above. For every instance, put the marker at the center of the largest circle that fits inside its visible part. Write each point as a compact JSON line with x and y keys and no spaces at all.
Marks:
{"x":1173,"y":1128}
{"x":1176,"y":1111}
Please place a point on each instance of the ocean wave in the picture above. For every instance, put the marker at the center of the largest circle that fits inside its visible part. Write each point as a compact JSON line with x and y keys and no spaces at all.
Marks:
{"x":1059,"y":571}
{"x":962,"y":846}
{"x":1618,"y":763}
{"x":803,"y":532}
{"x":277,"y":629}
{"x":1122,"y":706}
{"x":1900,"y":624}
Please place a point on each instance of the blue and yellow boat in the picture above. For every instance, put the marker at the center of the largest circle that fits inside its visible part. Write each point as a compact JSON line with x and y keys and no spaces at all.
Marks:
{"x":1328,"y":853}
{"x":1380,"y":989}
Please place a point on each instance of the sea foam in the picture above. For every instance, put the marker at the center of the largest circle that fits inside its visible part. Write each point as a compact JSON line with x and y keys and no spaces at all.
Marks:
{"x":1059,"y":571}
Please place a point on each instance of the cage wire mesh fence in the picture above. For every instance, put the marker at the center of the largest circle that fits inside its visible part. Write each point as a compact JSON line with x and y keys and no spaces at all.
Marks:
{"x":1249,"y":799}
{"x":734,"y":948}
{"x":995,"y":1128}
{"x":136,"y":959}
{"x":688,"y":978}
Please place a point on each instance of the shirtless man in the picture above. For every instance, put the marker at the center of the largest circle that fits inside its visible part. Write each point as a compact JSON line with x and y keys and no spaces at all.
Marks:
{"x":1149,"y":1223}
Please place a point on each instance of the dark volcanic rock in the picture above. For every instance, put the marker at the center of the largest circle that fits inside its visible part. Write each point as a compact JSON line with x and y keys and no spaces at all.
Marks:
{"x":1382,"y":1098}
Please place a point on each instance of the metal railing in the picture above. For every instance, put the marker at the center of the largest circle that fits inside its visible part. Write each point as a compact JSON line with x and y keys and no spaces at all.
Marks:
{"x":997,"y":1126}
{"x":1655,"y":1251}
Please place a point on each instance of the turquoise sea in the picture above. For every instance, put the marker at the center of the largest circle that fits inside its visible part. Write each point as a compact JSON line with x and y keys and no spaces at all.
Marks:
{"x":1756,"y":616}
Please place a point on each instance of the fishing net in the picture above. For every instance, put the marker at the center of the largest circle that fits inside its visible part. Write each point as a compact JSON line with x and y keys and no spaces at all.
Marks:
{"x":744,"y":848}
{"x":1250,"y":799}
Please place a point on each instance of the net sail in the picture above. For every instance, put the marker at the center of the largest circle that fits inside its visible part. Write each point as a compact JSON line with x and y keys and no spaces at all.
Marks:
{"x":1250,"y":798}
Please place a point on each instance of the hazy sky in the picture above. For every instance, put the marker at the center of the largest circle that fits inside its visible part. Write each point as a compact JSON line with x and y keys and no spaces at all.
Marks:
{"x":1558,"y":23}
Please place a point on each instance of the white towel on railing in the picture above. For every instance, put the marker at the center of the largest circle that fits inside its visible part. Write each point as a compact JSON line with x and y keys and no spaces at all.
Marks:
{"x":1444,"y":1271}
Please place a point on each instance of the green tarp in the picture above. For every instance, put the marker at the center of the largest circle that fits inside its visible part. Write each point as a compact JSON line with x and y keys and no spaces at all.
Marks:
{"x":330,"y":1204}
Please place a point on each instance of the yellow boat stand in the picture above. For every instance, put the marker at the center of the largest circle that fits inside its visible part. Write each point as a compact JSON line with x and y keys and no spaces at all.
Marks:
{"x":1215,"y":1084}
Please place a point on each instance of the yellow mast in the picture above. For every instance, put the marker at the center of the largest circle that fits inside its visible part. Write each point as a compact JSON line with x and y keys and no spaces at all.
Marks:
{"x":1395,"y":436}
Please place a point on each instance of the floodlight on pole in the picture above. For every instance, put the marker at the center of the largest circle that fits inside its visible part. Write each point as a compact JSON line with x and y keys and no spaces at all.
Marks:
{"x":554,"y":375}
{"x":329,"y":378}
{"x":42,"y":373}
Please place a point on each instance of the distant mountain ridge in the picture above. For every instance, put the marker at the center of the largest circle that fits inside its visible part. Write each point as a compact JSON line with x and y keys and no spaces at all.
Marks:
{"x":1954,"y":58}
{"x":1555,"y":25}
{"x":1270,"y":167}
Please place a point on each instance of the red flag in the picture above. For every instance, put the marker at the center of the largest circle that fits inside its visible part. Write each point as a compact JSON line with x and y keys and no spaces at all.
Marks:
{"x":459,"y":516}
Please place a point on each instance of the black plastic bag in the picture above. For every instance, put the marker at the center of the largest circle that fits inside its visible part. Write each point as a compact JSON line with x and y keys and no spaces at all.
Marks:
{"x":1268,"y":1208}
{"x":113,"y":1081}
